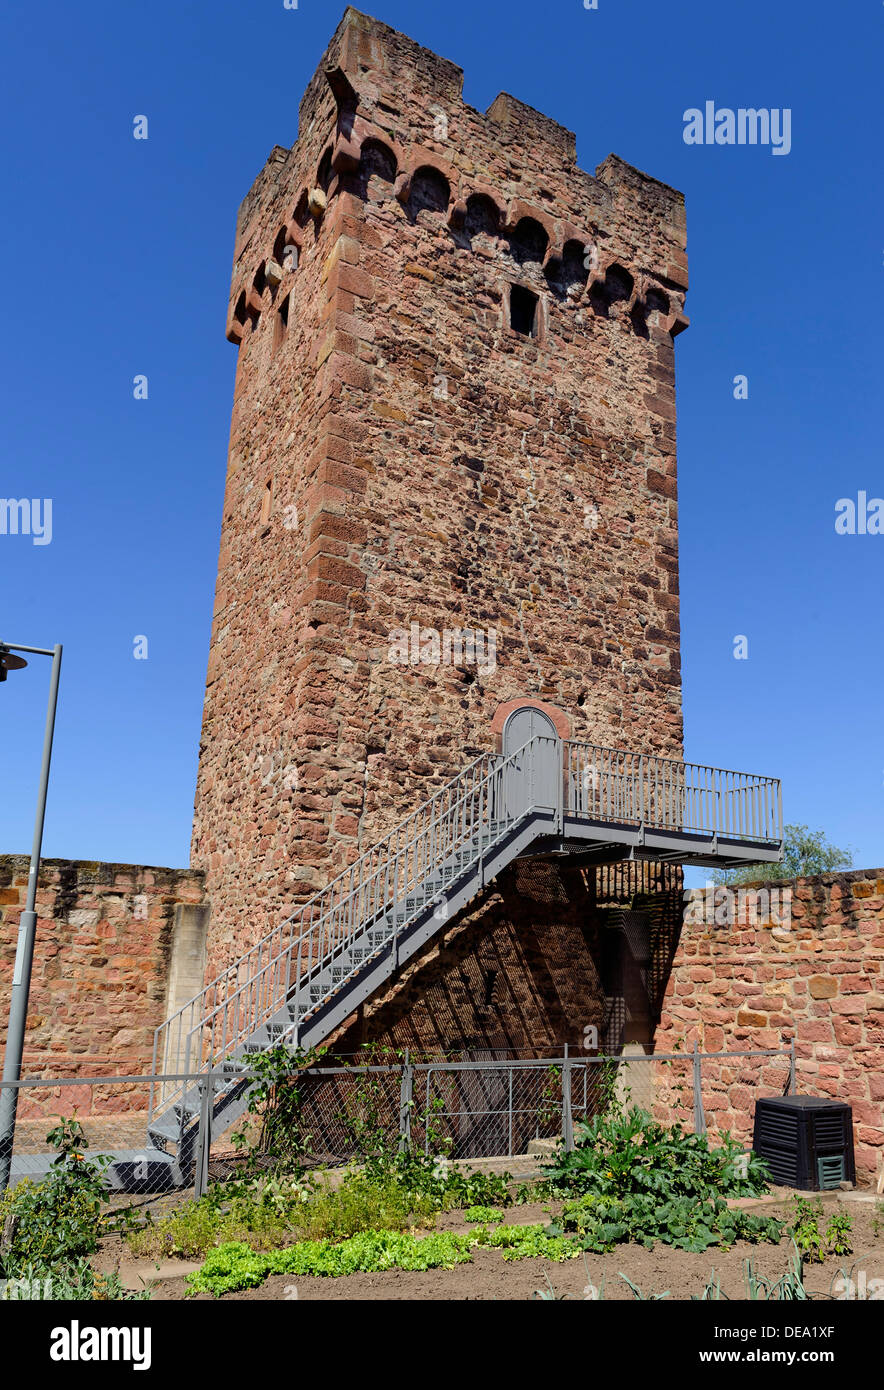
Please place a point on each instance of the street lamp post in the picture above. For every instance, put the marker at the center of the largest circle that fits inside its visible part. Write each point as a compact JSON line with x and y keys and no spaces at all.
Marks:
{"x":21,"y":977}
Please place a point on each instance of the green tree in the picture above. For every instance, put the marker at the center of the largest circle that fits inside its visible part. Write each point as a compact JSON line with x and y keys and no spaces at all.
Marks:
{"x":805,"y":852}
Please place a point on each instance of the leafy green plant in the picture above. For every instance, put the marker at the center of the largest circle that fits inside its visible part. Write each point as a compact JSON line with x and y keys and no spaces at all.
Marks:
{"x":47,"y":1224}
{"x":606,"y":1077}
{"x":450,"y":1186}
{"x":75,"y":1281}
{"x":363,"y":1203}
{"x":274,"y":1133}
{"x":270,"y":1212}
{"x":529,"y":1192}
{"x":838,"y":1234}
{"x":626,"y":1152}
{"x":601,"y":1222}
{"x":365,"y":1116}
{"x":643,"y":1181}
{"x":236,"y":1266}
{"x":486,"y":1215}
{"x":807,"y":1214}
{"x":197,"y":1226}
{"x":438,"y":1141}
{"x":527,"y":1242}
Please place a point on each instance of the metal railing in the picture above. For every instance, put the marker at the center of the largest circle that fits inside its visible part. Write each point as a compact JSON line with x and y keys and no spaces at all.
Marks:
{"x":380,"y":892}
{"x":229,"y":1009}
{"x":610,"y":785}
{"x":495,"y":1108}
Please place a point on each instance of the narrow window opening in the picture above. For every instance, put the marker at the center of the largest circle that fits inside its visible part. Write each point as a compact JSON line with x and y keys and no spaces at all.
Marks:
{"x":490,"y":981}
{"x":523,"y":311}
{"x":281,"y":322}
{"x":267,"y":503}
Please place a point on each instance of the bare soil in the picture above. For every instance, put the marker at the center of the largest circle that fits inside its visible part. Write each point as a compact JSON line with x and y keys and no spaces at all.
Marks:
{"x":678,"y":1273}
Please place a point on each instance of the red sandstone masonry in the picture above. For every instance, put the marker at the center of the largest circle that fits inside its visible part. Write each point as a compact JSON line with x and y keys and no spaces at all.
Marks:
{"x":521,"y":969}
{"x":101,"y":969}
{"x":394,"y":500}
{"x":758,"y":986}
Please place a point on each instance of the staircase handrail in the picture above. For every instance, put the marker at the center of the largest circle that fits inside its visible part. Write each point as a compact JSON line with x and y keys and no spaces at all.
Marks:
{"x":385,"y":854}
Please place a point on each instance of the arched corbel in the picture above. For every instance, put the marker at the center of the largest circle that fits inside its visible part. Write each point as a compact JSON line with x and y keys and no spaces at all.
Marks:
{"x":491,"y":195}
{"x":677,"y":323}
{"x":343,"y":91}
{"x":599,"y":271}
{"x":428,"y":159}
{"x":518,"y":209}
{"x":457,"y":213}
{"x":562,"y":233}
{"x":639,"y":294}
{"x":346,"y":154}
{"x":236,"y":318}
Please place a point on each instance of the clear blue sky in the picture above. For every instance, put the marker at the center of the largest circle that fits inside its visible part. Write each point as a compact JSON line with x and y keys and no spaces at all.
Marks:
{"x":117,"y":257}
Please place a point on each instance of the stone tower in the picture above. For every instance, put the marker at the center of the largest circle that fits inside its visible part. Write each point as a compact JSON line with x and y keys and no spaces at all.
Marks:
{"x":451,"y":485}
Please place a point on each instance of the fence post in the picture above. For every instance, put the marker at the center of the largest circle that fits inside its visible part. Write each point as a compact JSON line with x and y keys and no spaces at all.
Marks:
{"x":406,"y":1092}
{"x":204,"y":1139}
{"x":699,"y":1117}
{"x":567,"y":1120}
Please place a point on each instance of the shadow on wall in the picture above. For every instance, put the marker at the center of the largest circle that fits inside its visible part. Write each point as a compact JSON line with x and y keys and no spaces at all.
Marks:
{"x":546,"y":953}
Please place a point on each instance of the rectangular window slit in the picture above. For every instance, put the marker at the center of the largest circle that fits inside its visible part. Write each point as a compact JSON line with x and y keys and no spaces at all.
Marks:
{"x":281,"y":322}
{"x":523,"y":311}
{"x":267,"y":502}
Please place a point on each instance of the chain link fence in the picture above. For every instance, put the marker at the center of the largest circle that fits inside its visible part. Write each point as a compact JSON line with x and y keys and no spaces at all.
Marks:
{"x":463,"y":1108}
{"x":728,"y":1085}
{"x":113,"y":1112}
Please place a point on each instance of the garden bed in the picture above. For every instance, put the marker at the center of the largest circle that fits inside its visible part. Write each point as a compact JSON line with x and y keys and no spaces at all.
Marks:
{"x":633,"y":1210}
{"x":488,"y":1277}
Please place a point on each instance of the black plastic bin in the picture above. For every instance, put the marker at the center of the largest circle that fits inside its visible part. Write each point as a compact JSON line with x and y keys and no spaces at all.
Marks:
{"x":806,"y":1141}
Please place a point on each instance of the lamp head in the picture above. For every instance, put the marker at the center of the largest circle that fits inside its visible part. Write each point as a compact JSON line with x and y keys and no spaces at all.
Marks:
{"x":9,"y":662}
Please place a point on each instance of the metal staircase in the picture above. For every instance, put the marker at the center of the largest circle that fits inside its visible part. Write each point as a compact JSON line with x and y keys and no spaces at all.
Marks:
{"x":308,"y":975}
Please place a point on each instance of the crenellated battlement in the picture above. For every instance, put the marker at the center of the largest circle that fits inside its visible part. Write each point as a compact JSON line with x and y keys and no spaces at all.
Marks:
{"x":379,"y":102}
